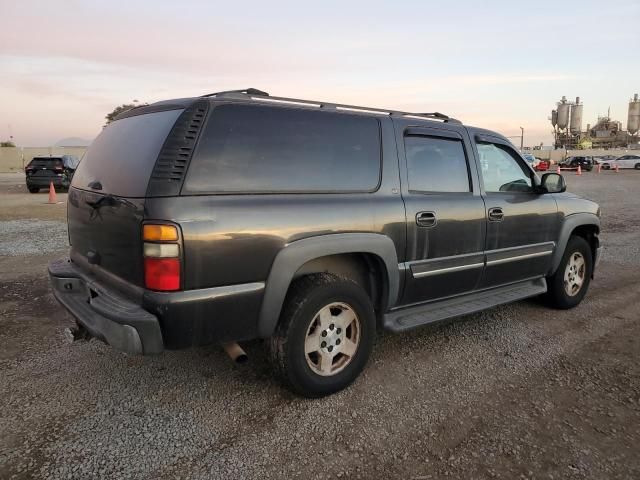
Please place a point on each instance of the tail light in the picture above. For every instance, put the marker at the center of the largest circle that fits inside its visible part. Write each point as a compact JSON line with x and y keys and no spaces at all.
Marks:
{"x":161,"y":250}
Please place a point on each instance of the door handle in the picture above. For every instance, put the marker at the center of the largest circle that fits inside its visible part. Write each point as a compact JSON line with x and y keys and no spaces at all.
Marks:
{"x":496,"y":214}
{"x":426,"y":219}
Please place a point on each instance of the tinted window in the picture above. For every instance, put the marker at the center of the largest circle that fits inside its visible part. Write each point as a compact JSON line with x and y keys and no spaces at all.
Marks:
{"x":501,"y":171}
{"x":250,"y":148}
{"x":436,"y":164}
{"x":39,"y":162}
{"x":122,"y":156}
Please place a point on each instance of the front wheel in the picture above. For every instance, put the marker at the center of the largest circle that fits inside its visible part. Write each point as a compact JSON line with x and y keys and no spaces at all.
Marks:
{"x":33,"y":189}
{"x":325,"y":335}
{"x":569,"y":284}
{"x":637,"y":166}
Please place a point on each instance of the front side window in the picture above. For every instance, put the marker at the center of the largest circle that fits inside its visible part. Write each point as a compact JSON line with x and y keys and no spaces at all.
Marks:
{"x":501,"y":171}
{"x":254,"y":148}
{"x":436,"y":164}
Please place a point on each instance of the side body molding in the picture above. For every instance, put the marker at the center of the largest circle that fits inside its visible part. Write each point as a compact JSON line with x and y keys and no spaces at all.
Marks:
{"x":569,"y":225}
{"x":297,"y":253}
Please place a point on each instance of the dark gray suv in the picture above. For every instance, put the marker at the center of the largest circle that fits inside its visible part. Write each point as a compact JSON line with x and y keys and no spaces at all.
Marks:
{"x":238,"y":216}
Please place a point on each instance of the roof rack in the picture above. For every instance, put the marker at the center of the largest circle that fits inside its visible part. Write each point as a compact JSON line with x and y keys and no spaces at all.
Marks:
{"x":246,"y":91}
{"x":259,"y":95}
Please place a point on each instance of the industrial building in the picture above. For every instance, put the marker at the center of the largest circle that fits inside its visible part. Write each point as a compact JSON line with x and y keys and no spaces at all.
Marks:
{"x":607,"y":133}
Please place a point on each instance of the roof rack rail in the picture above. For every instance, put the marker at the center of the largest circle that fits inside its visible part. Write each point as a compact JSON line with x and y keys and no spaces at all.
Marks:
{"x":255,"y":94}
{"x":247,"y":91}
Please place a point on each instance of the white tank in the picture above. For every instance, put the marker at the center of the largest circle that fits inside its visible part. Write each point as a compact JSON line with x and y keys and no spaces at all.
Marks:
{"x":633,"y":121}
{"x":554,"y":117}
{"x":563,"y":114}
{"x":576,"y":117}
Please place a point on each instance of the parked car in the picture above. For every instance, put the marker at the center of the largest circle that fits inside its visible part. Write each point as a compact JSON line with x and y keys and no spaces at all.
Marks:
{"x":238,"y":216}
{"x":41,"y":171}
{"x":585,"y":163}
{"x":542,"y":165}
{"x":625,"y":161}
{"x":530,"y":159}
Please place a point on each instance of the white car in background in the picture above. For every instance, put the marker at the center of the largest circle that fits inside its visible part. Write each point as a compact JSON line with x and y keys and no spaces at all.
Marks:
{"x":625,"y":161}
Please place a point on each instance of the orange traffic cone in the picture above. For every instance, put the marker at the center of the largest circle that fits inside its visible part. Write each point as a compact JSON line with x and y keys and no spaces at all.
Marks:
{"x":598,"y":168}
{"x":558,"y":171}
{"x":579,"y":171}
{"x":52,"y":194}
{"x":617,"y":168}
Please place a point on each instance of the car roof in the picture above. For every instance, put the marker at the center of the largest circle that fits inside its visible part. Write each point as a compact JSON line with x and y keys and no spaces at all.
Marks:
{"x":255,"y":96}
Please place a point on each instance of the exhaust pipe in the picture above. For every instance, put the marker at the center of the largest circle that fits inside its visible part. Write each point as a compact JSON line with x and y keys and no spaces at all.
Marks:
{"x":235,"y":352}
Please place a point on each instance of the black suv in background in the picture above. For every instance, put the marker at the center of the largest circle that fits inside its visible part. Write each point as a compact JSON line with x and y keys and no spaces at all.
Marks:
{"x":41,"y":171}
{"x":238,"y":215}
{"x":585,"y":163}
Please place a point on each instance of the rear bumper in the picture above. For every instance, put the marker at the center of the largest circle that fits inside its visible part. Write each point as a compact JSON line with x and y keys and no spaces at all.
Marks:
{"x":108,"y":316}
{"x":42,"y":182}
{"x":157,"y":320}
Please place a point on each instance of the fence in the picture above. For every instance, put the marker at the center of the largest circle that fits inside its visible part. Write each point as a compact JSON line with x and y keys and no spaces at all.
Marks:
{"x":14,"y":159}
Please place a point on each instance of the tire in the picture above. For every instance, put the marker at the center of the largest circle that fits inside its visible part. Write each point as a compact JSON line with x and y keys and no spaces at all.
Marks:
{"x":558,"y":292}
{"x":33,"y":189}
{"x":606,"y":166}
{"x":301,"y":330}
{"x":637,"y":166}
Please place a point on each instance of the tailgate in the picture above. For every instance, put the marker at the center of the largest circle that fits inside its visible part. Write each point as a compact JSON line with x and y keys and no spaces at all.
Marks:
{"x":107,"y":195}
{"x":106,"y":232}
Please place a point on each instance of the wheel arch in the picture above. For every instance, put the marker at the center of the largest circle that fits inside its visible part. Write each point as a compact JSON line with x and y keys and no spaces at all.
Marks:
{"x":585,"y":225}
{"x":345,"y":254}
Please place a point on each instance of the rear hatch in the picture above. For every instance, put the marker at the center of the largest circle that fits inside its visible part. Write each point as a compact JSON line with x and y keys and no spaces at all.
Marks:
{"x":44,"y":168}
{"x":107,"y":195}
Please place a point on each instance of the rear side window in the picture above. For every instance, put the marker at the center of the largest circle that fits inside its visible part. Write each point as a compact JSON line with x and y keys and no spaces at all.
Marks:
{"x":251,"y":148}
{"x":436,"y":164}
{"x":122,"y":157}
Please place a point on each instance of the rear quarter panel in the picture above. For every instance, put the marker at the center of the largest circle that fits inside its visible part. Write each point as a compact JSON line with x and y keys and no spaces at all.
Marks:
{"x":233,"y":239}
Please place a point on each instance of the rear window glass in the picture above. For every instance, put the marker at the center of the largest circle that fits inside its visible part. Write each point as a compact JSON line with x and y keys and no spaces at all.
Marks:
{"x":251,"y":148}
{"x":122,"y":157}
{"x":45,"y":162}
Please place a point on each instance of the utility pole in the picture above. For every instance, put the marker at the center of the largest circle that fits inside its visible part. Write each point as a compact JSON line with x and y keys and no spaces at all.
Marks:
{"x":521,"y":138}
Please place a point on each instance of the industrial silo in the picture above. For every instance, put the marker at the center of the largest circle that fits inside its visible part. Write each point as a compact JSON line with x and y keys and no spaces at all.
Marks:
{"x":633,"y":121}
{"x":563,"y":113}
{"x":576,"y":117}
{"x":554,"y":117}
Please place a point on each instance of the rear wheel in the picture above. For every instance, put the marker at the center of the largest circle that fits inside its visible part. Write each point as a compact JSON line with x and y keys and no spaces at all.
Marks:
{"x":637,"y":166}
{"x":569,"y":284}
{"x":325,"y":335}
{"x":33,"y":189}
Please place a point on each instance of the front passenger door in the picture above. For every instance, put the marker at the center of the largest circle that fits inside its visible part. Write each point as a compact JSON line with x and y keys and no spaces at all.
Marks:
{"x":522,"y":224}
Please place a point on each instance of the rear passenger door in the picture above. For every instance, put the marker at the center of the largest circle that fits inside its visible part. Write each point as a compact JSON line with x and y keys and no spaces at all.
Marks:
{"x":444,"y":212}
{"x":522,"y":224}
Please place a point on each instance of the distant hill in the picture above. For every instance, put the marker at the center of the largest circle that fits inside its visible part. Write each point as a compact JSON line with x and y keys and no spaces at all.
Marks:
{"x":73,"y":142}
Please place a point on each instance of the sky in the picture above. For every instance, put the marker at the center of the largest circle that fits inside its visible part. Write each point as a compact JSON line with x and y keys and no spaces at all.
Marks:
{"x":502,"y":65}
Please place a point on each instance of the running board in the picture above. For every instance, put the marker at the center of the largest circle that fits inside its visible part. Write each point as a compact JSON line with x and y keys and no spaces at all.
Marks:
{"x":411,"y":317}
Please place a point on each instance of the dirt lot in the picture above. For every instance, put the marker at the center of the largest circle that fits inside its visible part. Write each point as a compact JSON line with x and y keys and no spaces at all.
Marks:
{"x":519,"y":391}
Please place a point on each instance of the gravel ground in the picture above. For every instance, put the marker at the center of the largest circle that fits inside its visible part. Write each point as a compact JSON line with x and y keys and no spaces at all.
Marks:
{"x":519,"y":391}
{"x":32,"y":236}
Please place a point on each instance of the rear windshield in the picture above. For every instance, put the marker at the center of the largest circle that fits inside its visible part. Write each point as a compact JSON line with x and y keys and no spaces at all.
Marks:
{"x":45,"y":162}
{"x":122,"y":157}
{"x":249,"y":148}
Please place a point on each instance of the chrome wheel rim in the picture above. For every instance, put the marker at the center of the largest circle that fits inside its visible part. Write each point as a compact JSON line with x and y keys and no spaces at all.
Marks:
{"x":332,"y":339}
{"x":574,"y":274}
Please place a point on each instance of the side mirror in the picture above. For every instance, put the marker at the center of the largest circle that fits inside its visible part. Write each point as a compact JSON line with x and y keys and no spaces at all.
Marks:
{"x":553,"y":183}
